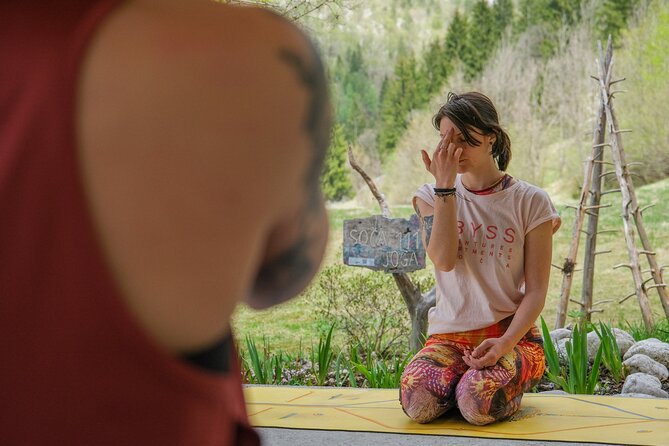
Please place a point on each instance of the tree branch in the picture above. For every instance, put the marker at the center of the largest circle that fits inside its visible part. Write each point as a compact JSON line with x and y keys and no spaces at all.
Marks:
{"x":385,"y":211}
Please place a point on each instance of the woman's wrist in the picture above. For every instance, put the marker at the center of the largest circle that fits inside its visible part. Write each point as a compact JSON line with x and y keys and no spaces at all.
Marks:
{"x":510,"y":341}
{"x":443,"y":193}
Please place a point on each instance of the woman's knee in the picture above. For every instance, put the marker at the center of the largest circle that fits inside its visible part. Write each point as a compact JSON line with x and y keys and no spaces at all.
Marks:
{"x":483,"y":400}
{"x":421,"y":405}
{"x":424,"y":394}
{"x":474,"y":408}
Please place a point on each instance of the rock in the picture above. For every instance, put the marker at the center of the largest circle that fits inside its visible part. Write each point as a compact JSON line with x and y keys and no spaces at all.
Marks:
{"x":561,"y":349}
{"x":624,"y":340}
{"x":559,"y":336}
{"x":560,"y":333}
{"x":643,"y":383}
{"x":653,"y":348}
{"x":641,"y":363}
{"x":593,"y":345}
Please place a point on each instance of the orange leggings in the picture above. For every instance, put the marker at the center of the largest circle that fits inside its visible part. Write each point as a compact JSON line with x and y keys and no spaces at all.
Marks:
{"x":437,"y":379}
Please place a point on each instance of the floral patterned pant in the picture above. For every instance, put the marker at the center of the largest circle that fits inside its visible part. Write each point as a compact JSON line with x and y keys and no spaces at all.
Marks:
{"x":437,"y":379}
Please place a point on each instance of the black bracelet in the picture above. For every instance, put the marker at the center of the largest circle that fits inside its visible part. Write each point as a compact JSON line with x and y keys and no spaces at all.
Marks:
{"x":447,"y":190}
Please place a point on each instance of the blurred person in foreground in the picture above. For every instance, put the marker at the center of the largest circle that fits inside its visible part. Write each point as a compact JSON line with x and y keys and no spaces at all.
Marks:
{"x":159,"y":164}
{"x":489,"y":236}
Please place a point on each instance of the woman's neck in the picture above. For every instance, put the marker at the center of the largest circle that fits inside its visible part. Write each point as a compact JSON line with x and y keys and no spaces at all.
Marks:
{"x":482,"y":180}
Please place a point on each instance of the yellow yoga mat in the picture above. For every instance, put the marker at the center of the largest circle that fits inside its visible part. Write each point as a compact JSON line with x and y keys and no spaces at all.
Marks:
{"x":579,"y":418}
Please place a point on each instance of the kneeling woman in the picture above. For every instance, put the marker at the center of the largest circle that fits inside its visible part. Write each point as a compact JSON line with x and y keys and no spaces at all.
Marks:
{"x":489,"y":236}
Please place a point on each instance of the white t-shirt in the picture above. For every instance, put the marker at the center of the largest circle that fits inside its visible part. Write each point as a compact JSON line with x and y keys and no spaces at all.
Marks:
{"x":488,"y":281}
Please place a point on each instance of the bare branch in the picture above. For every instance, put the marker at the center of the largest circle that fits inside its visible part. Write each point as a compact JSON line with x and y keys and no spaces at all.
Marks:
{"x":626,"y":297}
{"x":385,"y":211}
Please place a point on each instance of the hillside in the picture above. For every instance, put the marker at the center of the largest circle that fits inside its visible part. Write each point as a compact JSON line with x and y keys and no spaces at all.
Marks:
{"x":392,"y":63}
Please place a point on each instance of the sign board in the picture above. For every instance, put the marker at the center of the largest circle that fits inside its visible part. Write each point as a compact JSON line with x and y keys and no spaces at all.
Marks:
{"x":393,"y":245}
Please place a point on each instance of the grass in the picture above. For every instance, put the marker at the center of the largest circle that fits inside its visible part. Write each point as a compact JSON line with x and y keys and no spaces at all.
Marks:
{"x":292,"y":324}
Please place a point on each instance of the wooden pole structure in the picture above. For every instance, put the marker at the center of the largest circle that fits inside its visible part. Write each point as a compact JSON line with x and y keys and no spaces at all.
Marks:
{"x":630,"y":210}
{"x":592,"y":183}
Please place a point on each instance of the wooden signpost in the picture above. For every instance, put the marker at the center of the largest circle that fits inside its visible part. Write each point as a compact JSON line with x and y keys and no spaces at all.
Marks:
{"x":393,"y":245}
{"x":418,"y":304}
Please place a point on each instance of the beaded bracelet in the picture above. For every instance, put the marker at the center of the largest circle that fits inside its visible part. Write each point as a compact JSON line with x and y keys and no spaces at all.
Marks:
{"x":444,"y":192}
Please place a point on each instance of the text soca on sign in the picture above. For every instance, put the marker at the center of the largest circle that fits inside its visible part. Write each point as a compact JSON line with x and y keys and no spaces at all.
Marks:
{"x":384,"y":244}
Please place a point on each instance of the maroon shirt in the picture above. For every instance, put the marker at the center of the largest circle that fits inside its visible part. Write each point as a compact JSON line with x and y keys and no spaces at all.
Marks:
{"x":75,"y":367}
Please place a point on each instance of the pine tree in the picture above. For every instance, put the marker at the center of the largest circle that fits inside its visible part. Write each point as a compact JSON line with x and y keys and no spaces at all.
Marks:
{"x":402,"y":93}
{"x":611,"y":17}
{"x":435,"y":67}
{"x":392,"y":118}
{"x":356,"y":102}
{"x":570,"y":11}
{"x":547,"y":17}
{"x":336,"y":180}
{"x":480,"y":40}
{"x":454,"y":42}
{"x":502,"y":10}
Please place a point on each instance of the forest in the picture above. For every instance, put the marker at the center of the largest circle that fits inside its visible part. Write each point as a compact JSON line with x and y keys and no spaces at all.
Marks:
{"x":392,"y":62}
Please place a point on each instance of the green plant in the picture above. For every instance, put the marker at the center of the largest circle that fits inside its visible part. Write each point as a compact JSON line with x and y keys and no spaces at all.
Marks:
{"x":267,"y":368}
{"x":379,"y":375}
{"x":576,"y":379}
{"x":659,"y":331}
{"x":322,"y":356}
{"x":577,"y":315}
{"x":340,"y":374}
{"x":353,"y":357}
{"x":554,"y":371}
{"x":378,"y":371}
{"x":611,"y":357}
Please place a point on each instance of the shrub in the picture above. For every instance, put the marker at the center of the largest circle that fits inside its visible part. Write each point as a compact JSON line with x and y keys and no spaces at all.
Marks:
{"x":367,"y":306}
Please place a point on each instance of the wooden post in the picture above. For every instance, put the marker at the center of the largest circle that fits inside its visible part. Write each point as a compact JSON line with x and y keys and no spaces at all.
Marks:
{"x":593,"y":207}
{"x":591,"y":227}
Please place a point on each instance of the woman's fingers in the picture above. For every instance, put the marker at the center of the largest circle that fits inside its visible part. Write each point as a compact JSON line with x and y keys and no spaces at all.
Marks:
{"x":437,"y":149}
{"x":457,"y":154}
{"x":426,"y":159}
{"x":448,"y":137}
{"x":443,"y":142}
{"x":481,"y":348}
{"x":487,"y":360}
{"x":445,"y":158}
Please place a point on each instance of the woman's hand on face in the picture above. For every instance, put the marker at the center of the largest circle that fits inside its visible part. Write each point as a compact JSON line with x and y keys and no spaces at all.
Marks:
{"x":487,"y":353}
{"x":444,"y":163}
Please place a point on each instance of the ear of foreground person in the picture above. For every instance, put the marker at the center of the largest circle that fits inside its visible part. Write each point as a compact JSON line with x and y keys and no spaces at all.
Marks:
{"x":159,"y":164}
